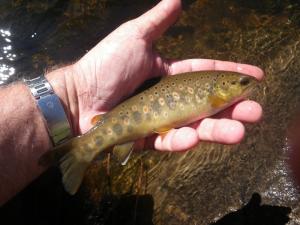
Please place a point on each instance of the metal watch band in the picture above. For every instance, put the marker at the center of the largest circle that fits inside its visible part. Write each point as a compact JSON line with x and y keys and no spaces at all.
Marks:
{"x":48,"y":102}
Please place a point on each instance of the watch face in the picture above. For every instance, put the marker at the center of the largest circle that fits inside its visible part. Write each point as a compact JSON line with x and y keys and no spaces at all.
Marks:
{"x":58,"y":125}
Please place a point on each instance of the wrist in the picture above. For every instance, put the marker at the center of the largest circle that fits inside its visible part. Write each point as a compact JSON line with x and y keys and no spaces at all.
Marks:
{"x":63,"y":85}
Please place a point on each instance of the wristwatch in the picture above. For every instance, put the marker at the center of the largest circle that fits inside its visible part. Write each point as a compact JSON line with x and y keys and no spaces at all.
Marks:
{"x":48,"y":102}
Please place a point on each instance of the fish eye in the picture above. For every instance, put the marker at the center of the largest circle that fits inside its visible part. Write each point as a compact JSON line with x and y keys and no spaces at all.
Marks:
{"x":244,"y":81}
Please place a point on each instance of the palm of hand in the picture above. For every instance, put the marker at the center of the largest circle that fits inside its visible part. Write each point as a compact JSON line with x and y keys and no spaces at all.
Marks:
{"x":117,"y":66}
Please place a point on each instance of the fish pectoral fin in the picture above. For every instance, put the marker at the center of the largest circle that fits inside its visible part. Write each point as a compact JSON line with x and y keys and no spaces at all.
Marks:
{"x":122,"y":152}
{"x":216,"y":101}
{"x":96,"y":119}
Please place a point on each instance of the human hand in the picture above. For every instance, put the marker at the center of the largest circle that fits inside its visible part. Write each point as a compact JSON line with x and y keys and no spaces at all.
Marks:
{"x":118,"y":64}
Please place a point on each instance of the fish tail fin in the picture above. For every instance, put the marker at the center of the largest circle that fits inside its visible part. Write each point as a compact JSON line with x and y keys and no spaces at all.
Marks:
{"x":73,"y":162}
{"x":73,"y":172}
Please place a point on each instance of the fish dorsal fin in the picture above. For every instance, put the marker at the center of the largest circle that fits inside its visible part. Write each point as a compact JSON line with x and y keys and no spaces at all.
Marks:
{"x":96,"y":119}
{"x":122,"y":152}
{"x":216,"y":101}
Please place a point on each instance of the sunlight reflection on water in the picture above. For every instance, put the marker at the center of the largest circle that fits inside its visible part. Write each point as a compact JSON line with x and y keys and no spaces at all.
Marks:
{"x":6,"y":55}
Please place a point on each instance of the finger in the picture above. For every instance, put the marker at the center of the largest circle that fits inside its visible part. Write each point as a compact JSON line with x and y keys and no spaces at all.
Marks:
{"x":190,"y":65}
{"x":177,"y":140}
{"x":224,"y":131}
{"x":155,"y":21}
{"x":245,"y":111}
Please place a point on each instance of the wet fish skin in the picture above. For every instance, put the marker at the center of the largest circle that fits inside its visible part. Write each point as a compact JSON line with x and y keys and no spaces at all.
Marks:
{"x":175,"y":101}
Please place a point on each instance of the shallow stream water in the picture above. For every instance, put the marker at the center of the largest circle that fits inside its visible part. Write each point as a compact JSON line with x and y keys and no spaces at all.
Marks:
{"x":249,"y":183}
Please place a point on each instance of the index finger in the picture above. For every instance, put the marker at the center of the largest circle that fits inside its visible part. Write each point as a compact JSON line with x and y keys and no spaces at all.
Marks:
{"x":189,"y":65}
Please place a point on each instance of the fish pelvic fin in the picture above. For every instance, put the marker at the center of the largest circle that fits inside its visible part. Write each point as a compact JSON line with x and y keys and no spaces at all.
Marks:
{"x":123,"y":151}
{"x":73,"y":160}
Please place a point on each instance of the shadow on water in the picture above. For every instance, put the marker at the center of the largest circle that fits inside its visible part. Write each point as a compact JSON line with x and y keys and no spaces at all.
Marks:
{"x":45,"y":202}
{"x":255,"y":214}
{"x":124,"y":209}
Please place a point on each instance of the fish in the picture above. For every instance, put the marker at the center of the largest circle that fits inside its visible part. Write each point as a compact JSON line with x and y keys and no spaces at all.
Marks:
{"x":173,"y":102}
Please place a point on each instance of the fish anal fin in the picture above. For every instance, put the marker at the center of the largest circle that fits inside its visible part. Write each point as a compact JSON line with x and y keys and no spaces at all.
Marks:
{"x":96,"y":119}
{"x":216,"y":101}
{"x":162,"y":131}
{"x":123,"y":151}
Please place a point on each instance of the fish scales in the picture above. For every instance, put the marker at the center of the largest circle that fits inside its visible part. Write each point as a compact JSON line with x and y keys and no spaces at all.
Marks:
{"x":173,"y":102}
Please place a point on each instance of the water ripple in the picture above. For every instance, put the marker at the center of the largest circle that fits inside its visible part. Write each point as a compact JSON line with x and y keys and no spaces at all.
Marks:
{"x":6,"y":55}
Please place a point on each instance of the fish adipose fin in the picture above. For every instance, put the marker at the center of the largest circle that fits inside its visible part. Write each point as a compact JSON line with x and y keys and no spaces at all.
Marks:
{"x":122,"y":152}
{"x":73,"y":162}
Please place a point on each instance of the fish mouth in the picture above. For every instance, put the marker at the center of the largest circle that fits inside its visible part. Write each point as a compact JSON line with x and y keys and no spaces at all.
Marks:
{"x":248,"y":90}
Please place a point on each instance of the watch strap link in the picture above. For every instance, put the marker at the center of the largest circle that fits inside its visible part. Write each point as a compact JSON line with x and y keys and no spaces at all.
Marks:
{"x":48,"y":102}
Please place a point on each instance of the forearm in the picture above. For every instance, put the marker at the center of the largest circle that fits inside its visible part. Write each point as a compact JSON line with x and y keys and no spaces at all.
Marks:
{"x":23,"y":138}
{"x":23,"y":133}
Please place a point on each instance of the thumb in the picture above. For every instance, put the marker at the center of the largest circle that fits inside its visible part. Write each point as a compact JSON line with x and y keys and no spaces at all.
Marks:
{"x":154,"y":22}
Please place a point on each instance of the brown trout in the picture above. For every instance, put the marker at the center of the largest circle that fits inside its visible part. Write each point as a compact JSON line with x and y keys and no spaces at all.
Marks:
{"x":173,"y":102}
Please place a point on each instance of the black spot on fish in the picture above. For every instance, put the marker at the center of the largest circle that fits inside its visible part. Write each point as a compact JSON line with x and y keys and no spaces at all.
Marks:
{"x":170,"y":101}
{"x":156,"y":107}
{"x":118,"y":129}
{"x":200,"y":94}
{"x":98,"y":141}
{"x":137,"y":116}
{"x":124,"y":117}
